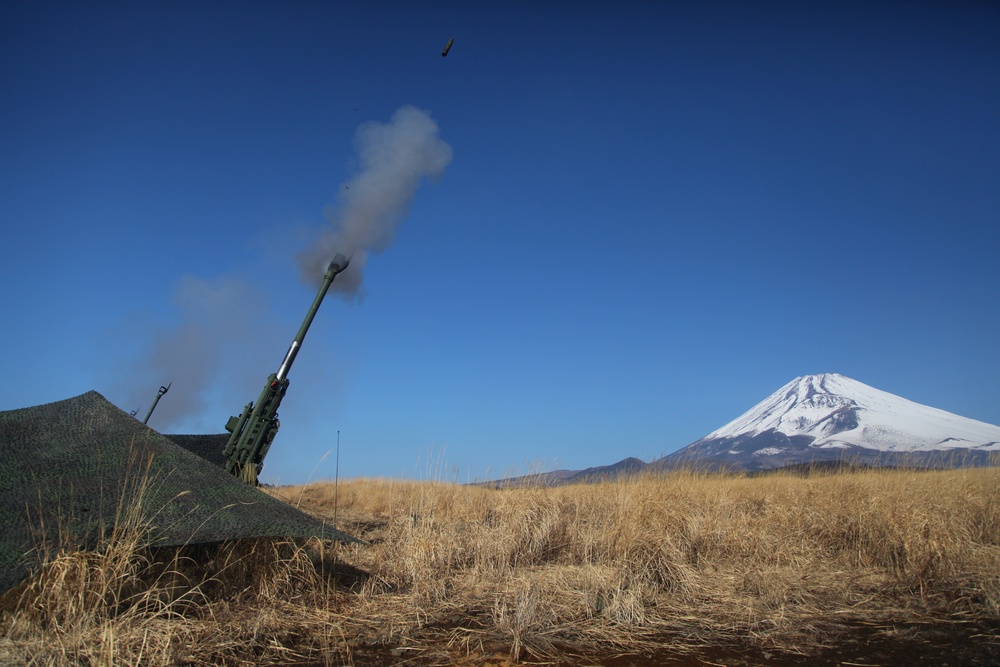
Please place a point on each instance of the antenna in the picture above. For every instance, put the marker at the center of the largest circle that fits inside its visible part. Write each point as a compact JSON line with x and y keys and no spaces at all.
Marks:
{"x":336,"y":480}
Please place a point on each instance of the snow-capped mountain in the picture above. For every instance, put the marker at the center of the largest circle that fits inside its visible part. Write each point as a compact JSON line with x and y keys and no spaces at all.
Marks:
{"x":824,"y":417}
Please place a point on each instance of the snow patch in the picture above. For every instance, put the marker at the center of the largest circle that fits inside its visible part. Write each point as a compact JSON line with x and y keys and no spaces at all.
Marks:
{"x":833,"y":444}
{"x":767,"y":451}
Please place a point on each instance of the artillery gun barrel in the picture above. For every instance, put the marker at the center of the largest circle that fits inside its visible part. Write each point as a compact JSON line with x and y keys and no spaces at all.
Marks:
{"x":252,"y":432}
{"x":338,"y":264}
{"x":159,"y":395}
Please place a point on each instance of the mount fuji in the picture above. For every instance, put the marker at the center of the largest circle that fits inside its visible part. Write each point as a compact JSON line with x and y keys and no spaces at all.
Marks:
{"x":832,"y":417}
{"x":816,"y":419}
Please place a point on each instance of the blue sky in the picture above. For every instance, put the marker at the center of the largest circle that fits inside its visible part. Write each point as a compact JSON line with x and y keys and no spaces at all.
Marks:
{"x":654,"y":216}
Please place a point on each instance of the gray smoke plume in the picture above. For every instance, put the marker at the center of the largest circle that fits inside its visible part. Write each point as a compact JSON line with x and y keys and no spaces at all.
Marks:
{"x":211,"y":335}
{"x":394,"y":158}
{"x":224,"y":322}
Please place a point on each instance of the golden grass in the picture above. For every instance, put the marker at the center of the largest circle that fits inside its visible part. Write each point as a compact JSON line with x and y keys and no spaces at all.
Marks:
{"x":686,"y":561}
{"x":782,"y":560}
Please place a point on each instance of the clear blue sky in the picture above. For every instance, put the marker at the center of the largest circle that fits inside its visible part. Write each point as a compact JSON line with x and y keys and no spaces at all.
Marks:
{"x":653,"y":217}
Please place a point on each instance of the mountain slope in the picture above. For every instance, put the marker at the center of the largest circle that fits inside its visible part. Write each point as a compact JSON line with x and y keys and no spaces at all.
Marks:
{"x":825,"y":417}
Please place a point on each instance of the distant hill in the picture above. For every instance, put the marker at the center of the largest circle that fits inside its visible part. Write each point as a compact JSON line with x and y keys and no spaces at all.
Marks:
{"x":624,"y":467}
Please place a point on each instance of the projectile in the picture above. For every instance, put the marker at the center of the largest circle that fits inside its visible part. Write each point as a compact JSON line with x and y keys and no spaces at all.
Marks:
{"x":447,"y":47}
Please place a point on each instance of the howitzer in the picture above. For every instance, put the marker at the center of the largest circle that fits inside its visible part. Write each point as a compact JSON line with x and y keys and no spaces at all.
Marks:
{"x":253,"y":431}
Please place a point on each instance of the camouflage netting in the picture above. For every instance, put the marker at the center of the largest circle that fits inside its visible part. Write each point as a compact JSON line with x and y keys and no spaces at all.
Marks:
{"x":208,"y":447}
{"x":70,"y":467}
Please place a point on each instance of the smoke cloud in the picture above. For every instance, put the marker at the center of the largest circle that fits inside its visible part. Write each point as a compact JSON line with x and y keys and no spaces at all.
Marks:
{"x":216,"y":318}
{"x":223,"y":322}
{"x":394,"y":157}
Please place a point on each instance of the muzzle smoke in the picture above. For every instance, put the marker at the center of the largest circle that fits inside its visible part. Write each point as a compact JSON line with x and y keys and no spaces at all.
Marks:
{"x":395,"y":157}
{"x":222,"y":322}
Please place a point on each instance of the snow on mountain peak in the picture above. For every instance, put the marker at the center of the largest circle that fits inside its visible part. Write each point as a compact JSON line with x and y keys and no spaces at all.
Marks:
{"x":837,"y":411}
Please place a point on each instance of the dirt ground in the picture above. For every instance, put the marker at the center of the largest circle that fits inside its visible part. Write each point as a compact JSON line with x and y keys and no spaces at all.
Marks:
{"x":952,"y":645}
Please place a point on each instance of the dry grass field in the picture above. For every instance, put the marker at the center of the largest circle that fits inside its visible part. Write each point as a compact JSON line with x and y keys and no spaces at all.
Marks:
{"x":865,"y":567}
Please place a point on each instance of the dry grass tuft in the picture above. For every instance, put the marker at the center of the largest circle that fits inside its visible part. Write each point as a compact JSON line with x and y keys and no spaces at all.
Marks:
{"x":776,"y":563}
{"x":128,"y":602}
